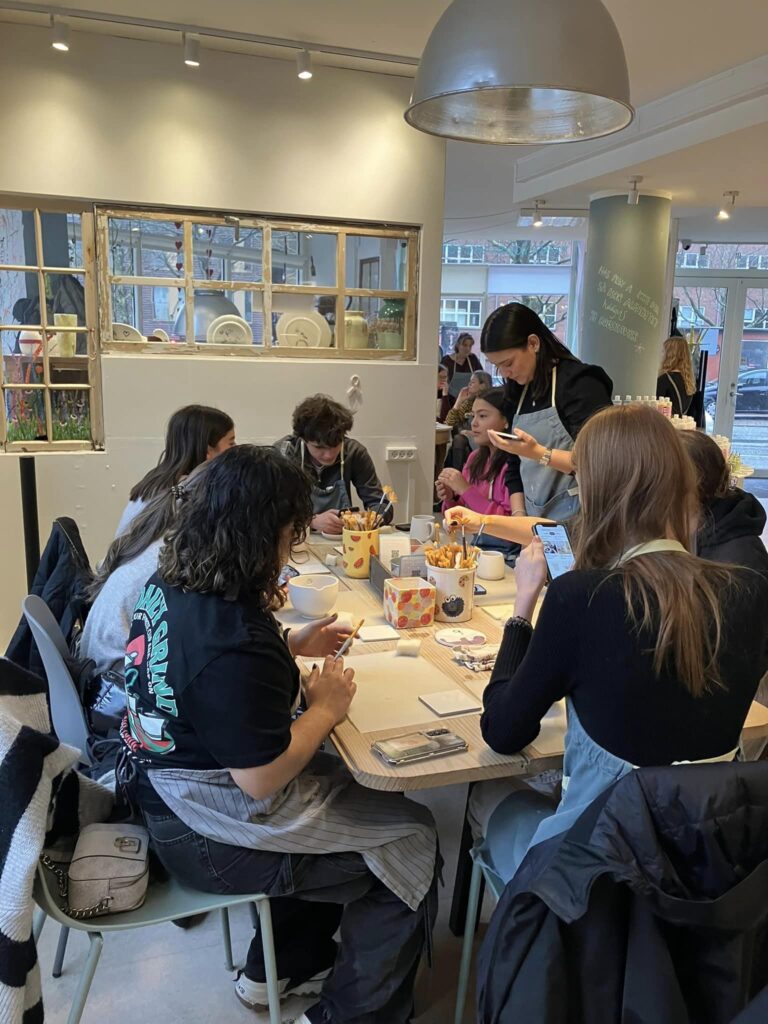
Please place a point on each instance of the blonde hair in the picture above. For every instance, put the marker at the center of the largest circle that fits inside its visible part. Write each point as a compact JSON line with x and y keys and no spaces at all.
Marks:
{"x":676,"y":358}
{"x":637,"y":484}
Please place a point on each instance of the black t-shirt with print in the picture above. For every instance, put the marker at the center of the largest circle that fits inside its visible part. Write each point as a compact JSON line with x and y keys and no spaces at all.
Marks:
{"x":210,"y":683}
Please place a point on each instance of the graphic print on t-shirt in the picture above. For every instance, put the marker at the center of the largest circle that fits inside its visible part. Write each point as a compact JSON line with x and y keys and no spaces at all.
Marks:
{"x":147,"y":656}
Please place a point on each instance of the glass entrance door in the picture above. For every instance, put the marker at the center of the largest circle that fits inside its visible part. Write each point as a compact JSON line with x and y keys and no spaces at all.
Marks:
{"x":750,"y":404}
{"x":727,"y":317}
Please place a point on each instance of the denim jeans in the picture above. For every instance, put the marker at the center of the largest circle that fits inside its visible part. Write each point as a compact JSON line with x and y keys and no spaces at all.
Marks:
{"x":311,"y":896}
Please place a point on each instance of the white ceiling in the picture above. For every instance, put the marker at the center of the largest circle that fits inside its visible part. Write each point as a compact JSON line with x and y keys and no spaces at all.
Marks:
{"x":669,"y":44}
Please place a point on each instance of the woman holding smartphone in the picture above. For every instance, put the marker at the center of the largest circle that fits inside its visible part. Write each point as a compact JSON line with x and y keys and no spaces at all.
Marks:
{"x":234,"y":791}
{"x":551,"y":395}
{"x":658,"y":653}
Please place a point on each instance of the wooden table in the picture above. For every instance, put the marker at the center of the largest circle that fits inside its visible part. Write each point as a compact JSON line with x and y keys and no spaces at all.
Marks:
{"x":358,"y":599}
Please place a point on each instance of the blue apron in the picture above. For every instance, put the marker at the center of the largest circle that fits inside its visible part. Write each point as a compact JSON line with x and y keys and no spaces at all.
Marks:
{"x":549,"y":494}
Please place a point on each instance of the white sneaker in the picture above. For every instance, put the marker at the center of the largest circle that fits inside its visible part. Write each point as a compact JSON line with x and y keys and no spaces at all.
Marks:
{"x":253,"y":994}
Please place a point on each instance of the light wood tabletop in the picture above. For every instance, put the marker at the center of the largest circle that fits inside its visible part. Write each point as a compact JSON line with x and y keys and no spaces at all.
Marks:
{"x":358,"y":599}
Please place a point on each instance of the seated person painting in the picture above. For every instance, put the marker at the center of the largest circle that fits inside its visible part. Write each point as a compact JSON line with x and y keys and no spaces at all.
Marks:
{"x":335,"y":462}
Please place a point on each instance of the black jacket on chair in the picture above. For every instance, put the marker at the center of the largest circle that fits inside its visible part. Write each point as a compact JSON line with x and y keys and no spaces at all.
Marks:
{"x":60,"y":580}
{"x":651,"y":909}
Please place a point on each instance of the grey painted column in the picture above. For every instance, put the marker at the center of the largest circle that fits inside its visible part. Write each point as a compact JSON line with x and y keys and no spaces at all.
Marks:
{"x":623,"y":317}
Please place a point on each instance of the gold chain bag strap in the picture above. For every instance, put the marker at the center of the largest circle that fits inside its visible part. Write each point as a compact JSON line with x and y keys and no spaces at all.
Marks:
{"x":108,"y":873}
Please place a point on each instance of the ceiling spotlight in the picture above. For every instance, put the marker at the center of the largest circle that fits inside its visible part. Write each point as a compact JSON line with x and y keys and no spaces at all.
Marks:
{"x":633,"y":196}
{"x":724,"y":213}
{"x":538,"y":220}
{"x":303,"y":64}
{"x":191,"y":50}
{"x":59,"y":35}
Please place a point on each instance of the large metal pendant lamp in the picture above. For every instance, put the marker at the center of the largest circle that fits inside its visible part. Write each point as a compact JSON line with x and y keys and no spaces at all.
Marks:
{"x":522,"y":71}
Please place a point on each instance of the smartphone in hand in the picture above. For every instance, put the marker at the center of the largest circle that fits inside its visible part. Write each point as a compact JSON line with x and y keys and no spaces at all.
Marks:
{"x":557,"y":548}
{"x":507,"y":437}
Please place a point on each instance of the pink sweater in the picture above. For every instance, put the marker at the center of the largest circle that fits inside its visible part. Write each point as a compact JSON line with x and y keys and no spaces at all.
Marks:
{"x":488,"y":497}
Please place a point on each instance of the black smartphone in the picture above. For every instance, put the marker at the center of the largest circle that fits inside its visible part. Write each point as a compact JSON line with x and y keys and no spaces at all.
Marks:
{"x":557,"y":547}
{"x":480,"y":591}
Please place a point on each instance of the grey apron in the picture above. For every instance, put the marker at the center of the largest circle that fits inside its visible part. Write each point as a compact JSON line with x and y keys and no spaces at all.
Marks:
{"x":548,"y":493}
{"x":332,"y":498}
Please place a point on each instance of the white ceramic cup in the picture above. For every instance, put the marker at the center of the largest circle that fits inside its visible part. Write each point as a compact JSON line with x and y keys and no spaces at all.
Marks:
{"x":422,"y":530}
{"x":491,"y":565}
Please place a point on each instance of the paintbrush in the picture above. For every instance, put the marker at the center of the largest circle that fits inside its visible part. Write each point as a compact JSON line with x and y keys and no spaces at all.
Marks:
{"x":464,"y":540}
{"x":348,"y":642}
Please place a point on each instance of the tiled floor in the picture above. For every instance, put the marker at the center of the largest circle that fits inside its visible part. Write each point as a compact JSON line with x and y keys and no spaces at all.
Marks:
{"x":163,"y":975}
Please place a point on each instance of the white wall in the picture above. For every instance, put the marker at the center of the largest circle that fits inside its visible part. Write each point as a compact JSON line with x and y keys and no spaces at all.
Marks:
{"x":120,"y":120}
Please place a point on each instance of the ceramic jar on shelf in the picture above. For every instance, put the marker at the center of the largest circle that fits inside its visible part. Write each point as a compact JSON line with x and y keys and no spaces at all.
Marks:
{"x":355,"y":329}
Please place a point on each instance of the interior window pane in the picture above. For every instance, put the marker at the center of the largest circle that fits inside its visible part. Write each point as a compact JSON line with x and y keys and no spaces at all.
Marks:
{"x":304,"y":257}
{"x":19,"y":297}
{"x":65,"y":294}
{"x":303,"y":321}
{"x":25,"y":415}
{"x":224,"y":253}
{"x":17,"y":238}
{"x":71,"y":415}
{"x":62,"y":239}
{"x":146,"y":248}
{"x":392,"y":254}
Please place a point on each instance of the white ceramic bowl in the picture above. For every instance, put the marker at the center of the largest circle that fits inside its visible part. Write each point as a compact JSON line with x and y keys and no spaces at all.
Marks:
{"x":313,"y":596}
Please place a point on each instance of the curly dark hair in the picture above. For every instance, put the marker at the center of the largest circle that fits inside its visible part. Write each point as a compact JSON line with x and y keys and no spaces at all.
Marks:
{"x":321,"y":420}
{"x":228,"y":536}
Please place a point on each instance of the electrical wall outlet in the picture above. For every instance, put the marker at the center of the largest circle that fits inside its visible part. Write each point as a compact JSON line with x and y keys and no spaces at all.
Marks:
{"x":405,"y":454}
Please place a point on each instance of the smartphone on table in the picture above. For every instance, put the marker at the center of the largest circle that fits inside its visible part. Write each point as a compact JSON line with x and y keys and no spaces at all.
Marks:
{"x":557,"y":548}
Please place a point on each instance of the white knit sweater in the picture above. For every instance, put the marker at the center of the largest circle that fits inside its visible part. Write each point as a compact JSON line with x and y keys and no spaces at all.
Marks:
{"x":42,"y":799}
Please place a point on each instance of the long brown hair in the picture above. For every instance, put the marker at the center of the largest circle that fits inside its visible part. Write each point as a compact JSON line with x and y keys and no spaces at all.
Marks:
{"x":712,"y":470}
{"x":191,"y":431}
{"x":676,"y":358}
{"x":637,"y":484}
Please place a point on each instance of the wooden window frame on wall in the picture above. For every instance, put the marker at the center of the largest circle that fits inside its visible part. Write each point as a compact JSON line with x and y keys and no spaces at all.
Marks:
{"x":92,"y":357}
{"x":265,"y":288}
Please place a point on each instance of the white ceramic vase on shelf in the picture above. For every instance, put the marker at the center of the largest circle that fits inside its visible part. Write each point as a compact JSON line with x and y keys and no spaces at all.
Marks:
{"x":355,"y":329}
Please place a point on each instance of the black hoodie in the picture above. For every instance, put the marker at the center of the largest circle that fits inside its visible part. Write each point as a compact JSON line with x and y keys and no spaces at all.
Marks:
{"x":731,"y":531}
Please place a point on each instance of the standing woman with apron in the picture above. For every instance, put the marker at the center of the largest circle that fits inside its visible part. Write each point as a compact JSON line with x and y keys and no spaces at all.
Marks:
{"x":551,"y":394}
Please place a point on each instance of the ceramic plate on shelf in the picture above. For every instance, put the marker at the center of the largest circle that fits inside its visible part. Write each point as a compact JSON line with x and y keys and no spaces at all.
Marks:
{"x":125,"y":332}
{"x":229,"y":330}
{"x":304,"y":330}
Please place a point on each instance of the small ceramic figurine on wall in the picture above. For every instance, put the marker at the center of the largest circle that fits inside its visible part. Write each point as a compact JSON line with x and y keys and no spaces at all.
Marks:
{"x":354,"y":393}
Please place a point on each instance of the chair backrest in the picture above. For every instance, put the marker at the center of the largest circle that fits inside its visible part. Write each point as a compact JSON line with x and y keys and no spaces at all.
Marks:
{"x":67,"y":712}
